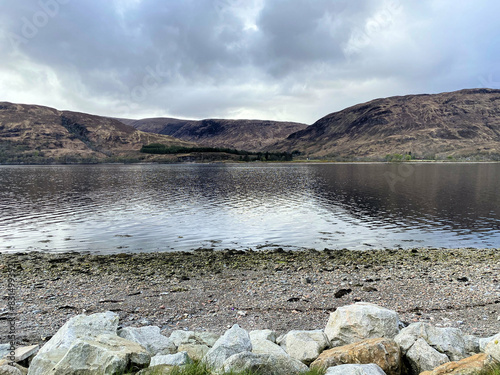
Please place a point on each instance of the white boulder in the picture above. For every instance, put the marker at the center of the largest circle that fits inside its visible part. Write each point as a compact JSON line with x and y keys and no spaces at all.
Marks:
{"x":263,"y":334}
{"x":360,"y":321}
{"x":180,"y":337}
{"x":449,"y":341}
{"x":235,"y":340}
{"x":264,"y":364}
{"x":261,"y":346}
{"x":106,"y":354}
{"x":178,"y":359}
{"x":150,"y":338}
{"x":485,"y":341}
{"x":493,"y":348}
{"x":304,"y":346}
{"x":369,"y":369}
{"x":80,"y":327}
{"x":423,"y":357}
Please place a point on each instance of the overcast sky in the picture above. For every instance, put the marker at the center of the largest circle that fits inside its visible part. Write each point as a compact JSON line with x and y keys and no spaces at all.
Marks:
{"x":295,"y":60}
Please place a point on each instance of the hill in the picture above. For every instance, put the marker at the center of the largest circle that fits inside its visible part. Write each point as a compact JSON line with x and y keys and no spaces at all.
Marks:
{"x":250,"y":135}
{"x":462,"y":124}
{"x":33,"y":134}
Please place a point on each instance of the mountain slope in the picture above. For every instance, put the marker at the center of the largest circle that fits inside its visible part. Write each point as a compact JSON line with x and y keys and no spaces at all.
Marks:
{"x":455,"y":124}
{"x":250,"y":135}
{"x":31,"y":133}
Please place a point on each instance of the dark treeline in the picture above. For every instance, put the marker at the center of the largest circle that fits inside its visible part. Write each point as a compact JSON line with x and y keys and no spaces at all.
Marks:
{"x":157,"y":148}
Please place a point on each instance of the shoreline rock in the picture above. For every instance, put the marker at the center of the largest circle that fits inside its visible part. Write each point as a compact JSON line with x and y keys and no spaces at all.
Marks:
{"x":90,"y":344}
{"x":280,"y":290}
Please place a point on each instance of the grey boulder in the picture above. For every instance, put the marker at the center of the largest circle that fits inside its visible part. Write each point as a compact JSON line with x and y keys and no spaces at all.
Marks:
{"x":449,"y":341}
{"x":150,"y":338}
{"x":422,"y":357}
{"x":369,"y":369}
{"x":178,"y":359}
{"x":80,"y":327}
{"x":263,"y":334}
{"x":360,"y":321}
{"x":304,"y":346}
{"x":106,"y":354}
{"x":180,"y":337}
{"x":264,"y":364}
{"x":235,"y":340}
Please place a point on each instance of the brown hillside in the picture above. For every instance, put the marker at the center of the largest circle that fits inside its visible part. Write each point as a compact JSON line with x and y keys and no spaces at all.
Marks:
{"x":456,"y":124}
{"x":35,"y":132}
{"x":250,"y":135}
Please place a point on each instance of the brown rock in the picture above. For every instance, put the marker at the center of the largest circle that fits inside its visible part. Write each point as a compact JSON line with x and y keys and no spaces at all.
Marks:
{"x":467,"y":366}
{"x":381,"y":351}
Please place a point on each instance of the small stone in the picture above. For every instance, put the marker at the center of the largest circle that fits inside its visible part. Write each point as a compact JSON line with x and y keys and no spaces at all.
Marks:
{"x":195,"y":351}
{"x":178,"y":359}
{"x":263,"y":334}
{"x":25,"y":352}
{"x":493,"y":348}
{"x":4,"y":350}
{"x":150,"y":338}
{"x":179,"y":337}
{"x":342,"y":292}
{"x":264,"y":364}
{"x":206,"y":338}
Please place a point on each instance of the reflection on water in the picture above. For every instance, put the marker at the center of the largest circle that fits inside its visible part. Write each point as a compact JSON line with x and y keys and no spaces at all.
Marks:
{"x":116,"y":208}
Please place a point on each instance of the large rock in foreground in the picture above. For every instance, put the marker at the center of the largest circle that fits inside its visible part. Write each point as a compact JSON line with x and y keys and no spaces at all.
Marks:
{"x":180,"y":337}
{"x":107,"y":354}
{"x":370,"y":369}
{"x":423,"y":357}
{"x":235,"y":340}
{"x":150,"y":338}
{"x":468,"y":366}
{"x":383,"y":352}
{"x":449,"y":341}
{"x":305,"y":346}
{"x":81,"y":327}
{"x":361,"y":321}
{"x":264,"y":364}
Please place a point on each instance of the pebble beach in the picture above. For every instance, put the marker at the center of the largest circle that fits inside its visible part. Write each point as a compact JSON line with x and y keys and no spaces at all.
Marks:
{"x":280,"y":290}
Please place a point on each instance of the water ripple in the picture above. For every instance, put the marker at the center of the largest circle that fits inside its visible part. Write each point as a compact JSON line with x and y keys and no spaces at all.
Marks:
{"x":179,"y":207}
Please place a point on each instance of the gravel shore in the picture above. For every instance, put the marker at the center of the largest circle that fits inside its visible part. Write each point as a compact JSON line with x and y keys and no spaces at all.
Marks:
{"x":280,"y":290}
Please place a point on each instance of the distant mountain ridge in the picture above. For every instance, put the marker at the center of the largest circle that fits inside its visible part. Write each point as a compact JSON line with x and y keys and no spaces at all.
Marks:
{"x":454,"y":124}
{"x":463,"y":124}
{"x":250,"y":135}
{"x":33,"y":133}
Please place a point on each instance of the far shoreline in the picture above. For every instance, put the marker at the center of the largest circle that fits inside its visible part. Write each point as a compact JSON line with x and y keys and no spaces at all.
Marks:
{"x":299,"y":162}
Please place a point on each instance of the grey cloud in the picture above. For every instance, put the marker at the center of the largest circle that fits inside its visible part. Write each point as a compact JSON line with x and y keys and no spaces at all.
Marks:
{"x":203,"y":59}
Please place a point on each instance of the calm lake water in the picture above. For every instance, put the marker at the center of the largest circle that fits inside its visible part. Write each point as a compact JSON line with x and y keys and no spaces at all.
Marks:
{"x":128,"y":208}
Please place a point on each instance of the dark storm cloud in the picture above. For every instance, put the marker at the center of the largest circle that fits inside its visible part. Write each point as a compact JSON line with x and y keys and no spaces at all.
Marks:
{"x":286,"y":59}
